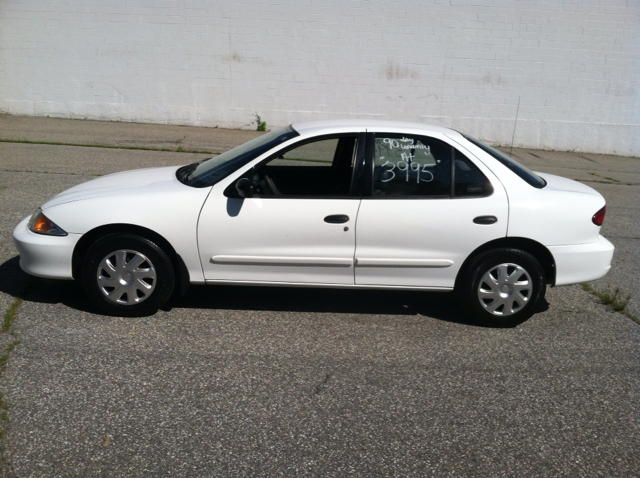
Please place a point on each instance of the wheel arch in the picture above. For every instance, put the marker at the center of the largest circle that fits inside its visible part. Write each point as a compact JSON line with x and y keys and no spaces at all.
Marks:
{"x":85,"y":242}
{"x":539,"y":251}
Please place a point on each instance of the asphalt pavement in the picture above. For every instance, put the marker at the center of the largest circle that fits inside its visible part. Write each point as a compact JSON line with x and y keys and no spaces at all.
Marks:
{"x":307,"y":382}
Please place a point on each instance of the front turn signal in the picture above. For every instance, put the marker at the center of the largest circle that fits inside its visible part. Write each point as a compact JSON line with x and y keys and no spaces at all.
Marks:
{"x":41,"y":224}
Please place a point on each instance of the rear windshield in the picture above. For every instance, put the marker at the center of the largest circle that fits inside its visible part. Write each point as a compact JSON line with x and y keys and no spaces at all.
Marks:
{"x":525,"y":173}
{"x":210,"y":171}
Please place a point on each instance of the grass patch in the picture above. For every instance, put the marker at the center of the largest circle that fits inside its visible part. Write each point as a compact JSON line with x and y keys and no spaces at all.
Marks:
{"x":9,"y":317}
{"x":179,"y":149}
{"x":260,"y":125}
{"x":613,"y":299}
{"x":3,"y":363}
{"x":10,"y":314}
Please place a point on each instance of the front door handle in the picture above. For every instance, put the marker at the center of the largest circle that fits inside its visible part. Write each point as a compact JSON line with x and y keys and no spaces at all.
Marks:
{"x":485,"y":220}
{"x":337,"y":219}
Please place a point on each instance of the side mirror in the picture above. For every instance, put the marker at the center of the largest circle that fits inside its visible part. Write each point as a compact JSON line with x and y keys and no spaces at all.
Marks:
{"x":245,"y":188}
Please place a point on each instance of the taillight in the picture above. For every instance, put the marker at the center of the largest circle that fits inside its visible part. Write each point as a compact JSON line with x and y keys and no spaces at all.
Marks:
{"x":598,"y":218}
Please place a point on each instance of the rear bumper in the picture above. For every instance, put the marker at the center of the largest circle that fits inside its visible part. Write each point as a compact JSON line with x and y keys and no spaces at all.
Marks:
{"x":42,"y":255}
{"x":582,"y":262}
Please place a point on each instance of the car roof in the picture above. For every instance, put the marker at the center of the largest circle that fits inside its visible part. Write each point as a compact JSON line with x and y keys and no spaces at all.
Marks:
{"x":332,"y":126}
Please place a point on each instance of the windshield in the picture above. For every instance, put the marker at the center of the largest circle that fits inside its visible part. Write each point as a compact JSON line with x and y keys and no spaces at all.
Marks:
{"x":525,"y":173}
{"x":210,"y":171}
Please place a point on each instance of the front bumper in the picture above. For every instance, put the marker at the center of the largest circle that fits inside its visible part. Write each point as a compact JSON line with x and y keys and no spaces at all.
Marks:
{"x":42,"y":255}
{"x":582,"y":262}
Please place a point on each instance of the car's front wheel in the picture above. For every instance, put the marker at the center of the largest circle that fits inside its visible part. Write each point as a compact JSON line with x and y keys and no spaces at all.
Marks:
{"x":127,"y":275}
{"x":504,"y":287}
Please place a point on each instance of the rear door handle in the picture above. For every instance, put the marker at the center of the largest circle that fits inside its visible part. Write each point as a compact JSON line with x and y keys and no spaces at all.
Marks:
{"x":485,"y":220}
{"x":337,"y":219}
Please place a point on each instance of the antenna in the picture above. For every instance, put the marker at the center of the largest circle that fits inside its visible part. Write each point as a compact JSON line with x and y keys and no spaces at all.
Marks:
{"x":515,"y":123}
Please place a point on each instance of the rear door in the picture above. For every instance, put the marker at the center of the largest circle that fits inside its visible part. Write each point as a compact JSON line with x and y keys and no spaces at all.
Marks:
{"x":426,"y":207}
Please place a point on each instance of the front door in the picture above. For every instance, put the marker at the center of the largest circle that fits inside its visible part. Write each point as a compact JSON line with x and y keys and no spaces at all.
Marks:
{"x":299,"y":226}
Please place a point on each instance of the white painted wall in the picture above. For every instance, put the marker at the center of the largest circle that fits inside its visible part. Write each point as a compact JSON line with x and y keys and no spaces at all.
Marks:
{"x":574,"y":65}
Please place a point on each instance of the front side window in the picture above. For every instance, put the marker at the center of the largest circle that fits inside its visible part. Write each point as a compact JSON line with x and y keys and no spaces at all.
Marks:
{"x":411,"y":165}
{"x":318,"y":168}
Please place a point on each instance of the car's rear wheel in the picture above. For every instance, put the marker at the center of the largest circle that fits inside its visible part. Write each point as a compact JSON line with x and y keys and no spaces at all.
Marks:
{"x":504,"y":287}
{"x":127,"y":275}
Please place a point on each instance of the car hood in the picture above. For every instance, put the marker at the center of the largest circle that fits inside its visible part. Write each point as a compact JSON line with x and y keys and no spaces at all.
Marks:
{"x":559,"y":183}
{"x":127,"y":182}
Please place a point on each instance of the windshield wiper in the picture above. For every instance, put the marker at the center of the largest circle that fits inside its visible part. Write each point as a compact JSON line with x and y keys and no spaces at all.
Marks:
{"x":185,"y":171}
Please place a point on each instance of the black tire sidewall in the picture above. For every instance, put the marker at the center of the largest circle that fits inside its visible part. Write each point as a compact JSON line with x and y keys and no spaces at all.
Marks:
{"x":165,"y":281}
{"x":487,"y":261}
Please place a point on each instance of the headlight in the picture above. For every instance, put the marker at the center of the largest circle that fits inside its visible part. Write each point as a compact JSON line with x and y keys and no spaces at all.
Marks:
{"x":41,"y":224}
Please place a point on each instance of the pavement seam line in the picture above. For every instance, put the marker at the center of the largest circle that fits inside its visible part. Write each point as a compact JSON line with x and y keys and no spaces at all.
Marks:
{"x":46,"y":172}
{"x":179,"y":149}
{"x":618,"y":183}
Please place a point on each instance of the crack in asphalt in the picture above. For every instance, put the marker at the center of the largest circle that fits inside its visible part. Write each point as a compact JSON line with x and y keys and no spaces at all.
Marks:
{"x":179,"y":149}
{"x":322,"y":385}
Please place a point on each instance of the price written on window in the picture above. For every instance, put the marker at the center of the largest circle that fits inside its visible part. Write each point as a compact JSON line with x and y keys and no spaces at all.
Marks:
{"x":405,"y":167}
{"x":420,"y":171}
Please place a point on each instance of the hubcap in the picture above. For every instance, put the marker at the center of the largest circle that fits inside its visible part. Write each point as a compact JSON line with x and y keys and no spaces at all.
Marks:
{"x":126,"y":277}
{"x":505,"y":289}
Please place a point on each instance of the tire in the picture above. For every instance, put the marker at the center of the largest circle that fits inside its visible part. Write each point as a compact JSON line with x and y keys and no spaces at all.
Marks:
{"x":127,"y":275}
{"x":504,"y":287}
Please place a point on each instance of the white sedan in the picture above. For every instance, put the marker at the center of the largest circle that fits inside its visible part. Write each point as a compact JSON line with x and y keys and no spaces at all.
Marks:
{"x":348,"y":204}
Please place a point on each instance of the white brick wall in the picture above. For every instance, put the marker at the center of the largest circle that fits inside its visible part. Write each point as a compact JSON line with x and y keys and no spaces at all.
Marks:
{"x":574,"y":64}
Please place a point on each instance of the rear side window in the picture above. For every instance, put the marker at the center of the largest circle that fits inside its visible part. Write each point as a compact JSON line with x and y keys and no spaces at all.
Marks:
{"x":525,"y":173}
{"x":469,"y":180}
{"x":421,"y":166}
{"x":408,"y":165}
